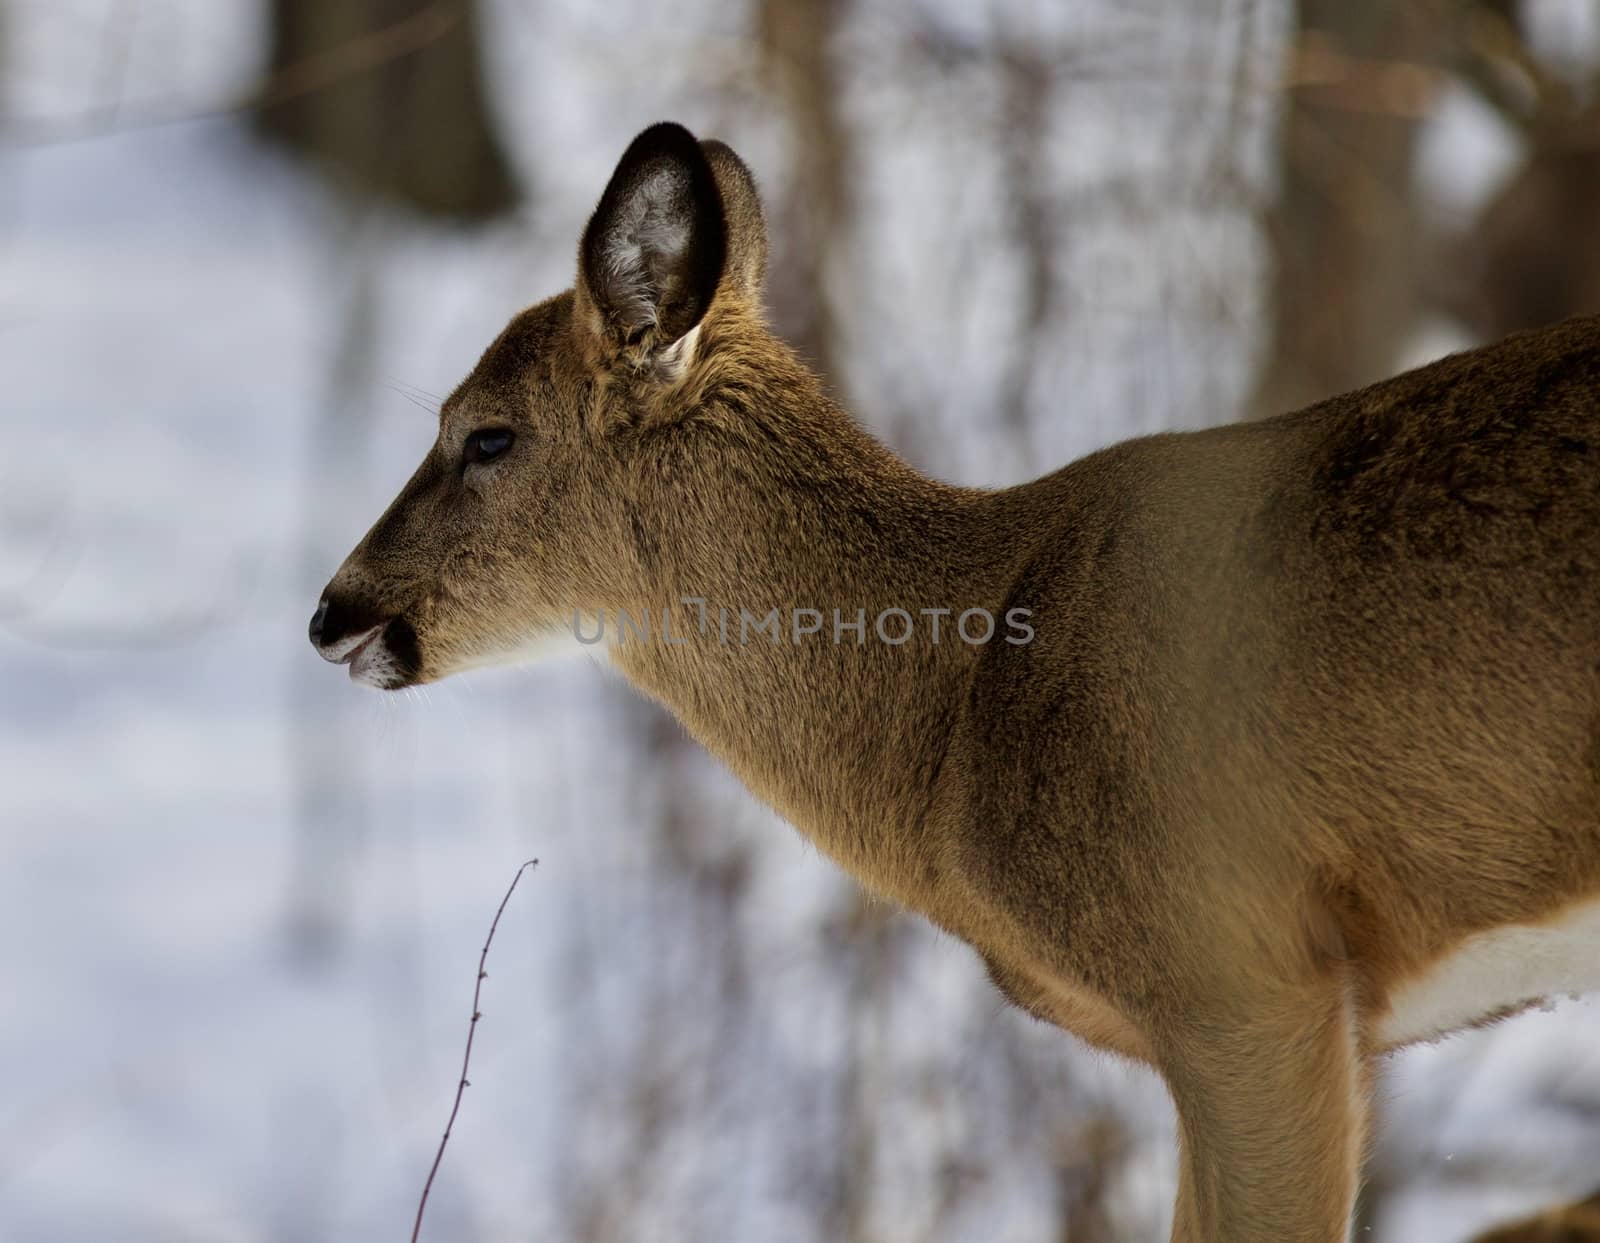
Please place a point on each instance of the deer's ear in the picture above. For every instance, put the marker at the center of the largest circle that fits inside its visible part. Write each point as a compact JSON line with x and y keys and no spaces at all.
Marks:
{"x":746,"y":227}
{"x":655,"y":247}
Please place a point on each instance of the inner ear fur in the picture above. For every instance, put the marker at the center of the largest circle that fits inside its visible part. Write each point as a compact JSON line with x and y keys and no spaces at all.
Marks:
{"x":655,"y":249}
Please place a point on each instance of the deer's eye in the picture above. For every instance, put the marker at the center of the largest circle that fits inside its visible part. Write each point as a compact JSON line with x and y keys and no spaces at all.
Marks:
{"x":487,"y":444}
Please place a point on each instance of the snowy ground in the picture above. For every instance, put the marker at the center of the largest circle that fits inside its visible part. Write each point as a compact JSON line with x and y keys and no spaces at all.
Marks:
{"x":197,"y":1042}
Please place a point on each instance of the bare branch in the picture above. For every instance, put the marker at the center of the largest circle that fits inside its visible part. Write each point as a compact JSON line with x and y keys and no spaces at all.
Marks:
{"x":466,"y":1057}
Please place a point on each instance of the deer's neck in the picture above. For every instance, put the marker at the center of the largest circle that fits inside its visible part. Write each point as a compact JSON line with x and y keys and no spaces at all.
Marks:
{"x":837,"y":720}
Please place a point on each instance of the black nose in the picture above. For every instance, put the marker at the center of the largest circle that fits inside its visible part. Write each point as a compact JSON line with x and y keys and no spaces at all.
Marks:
{"x":339,"y":622}
{"x":318,"y":620}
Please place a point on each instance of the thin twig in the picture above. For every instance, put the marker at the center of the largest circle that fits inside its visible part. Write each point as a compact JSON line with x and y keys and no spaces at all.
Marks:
{"x":466,"y":1057}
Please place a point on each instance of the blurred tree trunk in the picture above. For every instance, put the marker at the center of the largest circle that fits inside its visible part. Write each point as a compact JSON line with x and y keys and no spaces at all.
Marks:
{"x":1346,"y":234}
{"x":333,"y":795}
{"x":388,"y":95}
{"x":794,"y":41}
{"x":387,"y":98}
{"x":1028,"y":79}
{"x":1532,"y":256}
{"x":1344,"y":231}
{"x":1534,"y":251}
{"x":1573,"y":1223}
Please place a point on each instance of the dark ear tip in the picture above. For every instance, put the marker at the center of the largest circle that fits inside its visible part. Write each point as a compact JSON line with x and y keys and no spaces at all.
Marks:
{"x":664,"y":138}
{"x":665,"y":142}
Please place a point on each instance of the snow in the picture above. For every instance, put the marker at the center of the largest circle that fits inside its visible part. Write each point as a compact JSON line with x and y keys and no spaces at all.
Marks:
{"x":243,"y":901}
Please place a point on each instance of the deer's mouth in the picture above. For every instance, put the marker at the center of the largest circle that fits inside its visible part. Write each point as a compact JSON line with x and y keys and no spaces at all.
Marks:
{"x":346,"y":650}
{"x":381,"y":650}
{"x":386,"y":657}
{"x":363,"y":645}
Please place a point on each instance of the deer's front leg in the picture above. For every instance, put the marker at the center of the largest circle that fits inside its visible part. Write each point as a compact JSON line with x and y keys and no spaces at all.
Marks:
{"x":1271,"y":1106}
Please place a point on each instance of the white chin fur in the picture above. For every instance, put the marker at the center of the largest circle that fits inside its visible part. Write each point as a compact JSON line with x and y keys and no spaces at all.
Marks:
{"x":554,"y":645}
{"x":539,"y":648}
{"x":374,"y":666}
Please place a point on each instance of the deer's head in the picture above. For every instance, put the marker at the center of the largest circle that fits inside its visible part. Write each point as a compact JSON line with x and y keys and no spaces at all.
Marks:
{"x":528,"y":505}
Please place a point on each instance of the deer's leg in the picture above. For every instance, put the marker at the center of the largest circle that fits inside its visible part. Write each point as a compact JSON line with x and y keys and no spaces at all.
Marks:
{"x":1271,"y":1104}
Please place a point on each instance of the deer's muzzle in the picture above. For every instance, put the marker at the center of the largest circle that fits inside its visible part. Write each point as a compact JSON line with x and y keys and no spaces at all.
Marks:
{"x":381,"y":651}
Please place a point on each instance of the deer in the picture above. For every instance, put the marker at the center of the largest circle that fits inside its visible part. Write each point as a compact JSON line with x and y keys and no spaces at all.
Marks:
{"x":1281,"y":751}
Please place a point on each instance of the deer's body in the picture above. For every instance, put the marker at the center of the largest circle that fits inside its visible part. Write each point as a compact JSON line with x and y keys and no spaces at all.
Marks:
{"x":1301,"y":763}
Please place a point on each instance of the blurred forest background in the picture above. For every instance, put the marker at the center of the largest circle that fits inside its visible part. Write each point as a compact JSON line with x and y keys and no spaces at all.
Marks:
{"x":245,"y":249}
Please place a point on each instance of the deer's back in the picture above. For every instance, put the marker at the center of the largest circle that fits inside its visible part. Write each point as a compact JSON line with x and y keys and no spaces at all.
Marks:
{"x":1352,"y":648}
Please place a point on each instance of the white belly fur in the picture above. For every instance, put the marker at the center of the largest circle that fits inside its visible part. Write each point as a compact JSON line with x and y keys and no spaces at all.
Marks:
{"x":1492,"y":971}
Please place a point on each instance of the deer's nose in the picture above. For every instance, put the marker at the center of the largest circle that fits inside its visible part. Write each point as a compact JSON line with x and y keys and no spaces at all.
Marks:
{"x":318,"y":620}
{"x":340,"y":627}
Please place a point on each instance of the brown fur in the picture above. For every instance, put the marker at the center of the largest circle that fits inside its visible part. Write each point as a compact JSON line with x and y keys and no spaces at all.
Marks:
{"x":1309,"y":700}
